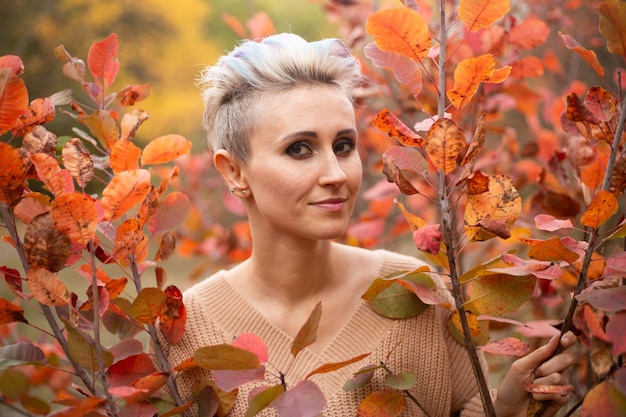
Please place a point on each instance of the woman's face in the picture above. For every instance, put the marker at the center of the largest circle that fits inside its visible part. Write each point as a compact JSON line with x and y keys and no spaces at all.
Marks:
{"x":304,"y":171}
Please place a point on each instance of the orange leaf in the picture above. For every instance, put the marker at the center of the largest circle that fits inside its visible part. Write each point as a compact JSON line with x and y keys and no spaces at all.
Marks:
{"x":260,"y":25}
{"x":613,"y":25}
{"x":77,"y":161}
{"x":400,"y":30}
{"x":550,"y":250}
{"x":549,"y":389}
{"x":166,"y":247}
{"x":234,"y":24}
{"x":479,"y":329}
{"x":131,"y":94}
{"x":165,"y":149}
{"x":414,"y":221}
{"x":127,"y":236}
{"x":508,"y":346}
{"x":124,"y":156}
{"x":308,"y":333}
{"x":85,"y":407}
{"x":57,"y":180}
{"x":170,"y":212}
{"x":10,"y":313}
{"x":12,"y":175}
{"x":603,"y":206}
{"x":103,"y":62}
{"x":147,"y":385}
{"x":444,"y":142}
{"x":388,"y":123}
{"x":480,"y":14}
{"x":470,"y":73}
{"x":530,"y":33}
{"x":102,"y":125}
{"x":385,"y":403}
{"x":589,"y":56}
{"x":126,"y":189}
{"x":131,"y":122}
{"x":13,"y":63}
{"x":13,"y":99}
{"x":46,"y":287}
{"x":40,"y":111}
{"x":75,"y":216}
{"x":331,"y":367}
{"x":478,"y":140}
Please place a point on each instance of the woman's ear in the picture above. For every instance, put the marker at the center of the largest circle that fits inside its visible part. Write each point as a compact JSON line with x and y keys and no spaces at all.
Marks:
{"x":230,"y":169}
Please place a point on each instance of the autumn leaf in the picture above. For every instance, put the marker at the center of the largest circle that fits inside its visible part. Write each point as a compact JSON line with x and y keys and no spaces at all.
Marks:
{"x":607,"y":398}
{"x":601,"y":103}
{"x":444,"y":142}
{"x":12,"y":175}
{"x":124,"y":156}
{"x":38,"y":140}
{"x":501,"y":203}
{"x":331,"y":367}
{"x":21,"y":353}
{"x":470,"y":73}
{"x":529,"y":34}
{"x":13,"y":99}
{"x":395,"y":301}
{"x":305,"y":399}
{"x":83,"y":408}
{"x":171,"y":212}
{"x":126,"y":189}
{"x":259,"y":400}
{"x":165,"y":149}
{"x":499,"y":294}
{"x":56,"y":179}
{"x":360,"y":378}
{"x":551,"y":224}
{"x":480,"y":14}
{"x":102,"y":125}
{"x":601,"y":209}
{"x":39,"y":111}
{"x":225,"y":357}
{"x":400,"y":30}
{"x":46,"y":287}
{"x":509,"y":346}
{"x":423,"y":286}
{"x":479,"y":329}
{"x":10,"y":313}
{"x":253,"y":343}
{"x":550,"y":250}
{"x":428,"y":238}
{"x":102,"y":61}
{"x":613,"y":25}
{"x":148,"y":305}
{"x":478,"y":140}
{"x":44,"y":245}
{"x":308,"y":332}
{"x":14,"y":281}
{"x":147,"y":385}
{"x":13,"y":63}
{"x":131,"y":94}
{"x":131,"y":122}
{"x":589,"y":56}
{"x":385,"y":403}
{"x":172,"y":320}
{"x":166,"y":247}
{"x":77,"y":161}
{"x":415,"y":222}
{"x":127,"y":237}
{"x":75,"y":215}
{"x":394,"y":173}
{"x":549,"y":389}
{"x":406,"y":71}
{"x":388,"y":123}
{"x":400,"y":381}
{"x":227,"y":380}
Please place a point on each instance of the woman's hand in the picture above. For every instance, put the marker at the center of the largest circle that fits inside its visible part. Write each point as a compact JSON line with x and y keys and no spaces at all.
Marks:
{"x":536,"y":368}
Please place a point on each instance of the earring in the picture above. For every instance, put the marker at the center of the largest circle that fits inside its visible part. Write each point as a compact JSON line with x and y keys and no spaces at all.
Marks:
{"x":232,"y":190}
{"x":244,"y":191}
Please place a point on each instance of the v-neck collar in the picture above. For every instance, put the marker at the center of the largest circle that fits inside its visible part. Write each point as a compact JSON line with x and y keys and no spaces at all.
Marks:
{"x":361,"y":333}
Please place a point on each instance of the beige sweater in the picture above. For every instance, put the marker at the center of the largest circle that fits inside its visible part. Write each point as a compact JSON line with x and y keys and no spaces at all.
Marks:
{"x":421,"y":346}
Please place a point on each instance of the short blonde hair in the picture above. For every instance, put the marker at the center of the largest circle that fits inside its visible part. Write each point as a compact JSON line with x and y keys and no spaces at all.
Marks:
{"x":233,"y":87}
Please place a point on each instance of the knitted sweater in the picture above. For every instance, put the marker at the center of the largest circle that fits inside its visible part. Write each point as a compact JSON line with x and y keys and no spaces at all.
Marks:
{"x":422,"y":346}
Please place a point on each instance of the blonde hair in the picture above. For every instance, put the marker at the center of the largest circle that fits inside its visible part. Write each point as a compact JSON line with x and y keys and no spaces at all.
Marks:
{"x":233,"y":87}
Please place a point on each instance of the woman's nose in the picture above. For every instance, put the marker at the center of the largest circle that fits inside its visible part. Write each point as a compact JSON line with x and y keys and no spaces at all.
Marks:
{"x":332,"y":171}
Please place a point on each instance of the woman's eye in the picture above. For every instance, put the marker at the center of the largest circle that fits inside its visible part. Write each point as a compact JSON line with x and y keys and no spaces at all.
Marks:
{"x":299,"y":149}
{"x":344,"y":146}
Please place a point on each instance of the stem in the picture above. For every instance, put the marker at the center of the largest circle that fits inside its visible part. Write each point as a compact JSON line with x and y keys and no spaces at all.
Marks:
{"x":458,"y":301}
{"x":46,"y":310}
{"x":158,"y":351}
{"x":96,"y":331}
{"x":447,"y":230}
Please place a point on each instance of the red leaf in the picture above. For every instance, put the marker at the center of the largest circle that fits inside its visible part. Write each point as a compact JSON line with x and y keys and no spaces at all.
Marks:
{"x":102,"y":61}
{"x":229,"y":380}
{"x":170,"y":213}
{"x":428,"y":238}
{"x":549,"y":389}
{"x":253,"y":343}
{"x":615,"y":332}
{"x":308,"y":333}
{"x":13,"y":99}
{"x":508,"y":346}
{"x":127,"y":370}
{"x":172,"y":321}
{"x":405,"y":70}
{"x":551,"y":224}
{"x":607,"y":299}
{"x":10,"y":313}
{"x":387,"y":403}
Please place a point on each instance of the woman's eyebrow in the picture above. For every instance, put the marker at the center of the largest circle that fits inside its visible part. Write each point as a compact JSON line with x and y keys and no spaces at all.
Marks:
{"x":344,"y":132}
{"x":294,"y":135}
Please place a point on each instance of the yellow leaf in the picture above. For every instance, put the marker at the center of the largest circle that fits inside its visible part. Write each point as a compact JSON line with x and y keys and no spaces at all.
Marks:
{"x":400,"y":30}
{"x":480,"y":14}
{"x":550,"y":250}
{"x":603,"y":206}
{"x":613,"y":25}
{"x":444,"y":142}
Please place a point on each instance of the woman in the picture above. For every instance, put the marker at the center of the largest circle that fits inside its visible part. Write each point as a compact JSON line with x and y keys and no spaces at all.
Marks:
{"x":280,"y":120}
